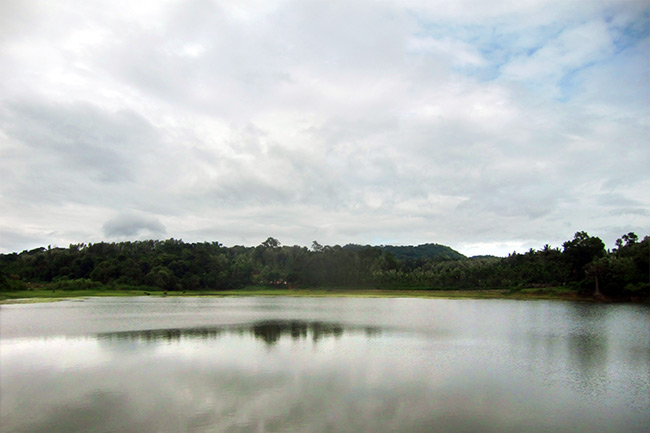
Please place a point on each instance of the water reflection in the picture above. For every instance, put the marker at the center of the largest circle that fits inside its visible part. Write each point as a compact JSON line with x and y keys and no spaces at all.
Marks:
{"x":589,"y":352}
{"x":270,"y":332}
{"x":304,"y":365}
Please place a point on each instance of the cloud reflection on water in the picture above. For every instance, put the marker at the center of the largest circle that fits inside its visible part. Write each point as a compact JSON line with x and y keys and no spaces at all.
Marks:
{"x":268,"y":364}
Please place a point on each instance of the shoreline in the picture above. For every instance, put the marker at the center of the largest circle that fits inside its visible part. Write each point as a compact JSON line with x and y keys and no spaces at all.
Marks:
{"x":558,"y":294}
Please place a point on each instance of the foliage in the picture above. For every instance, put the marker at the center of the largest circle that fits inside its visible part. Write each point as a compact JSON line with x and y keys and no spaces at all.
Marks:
{"x":410,"y":253}
{"x":170,"y":265}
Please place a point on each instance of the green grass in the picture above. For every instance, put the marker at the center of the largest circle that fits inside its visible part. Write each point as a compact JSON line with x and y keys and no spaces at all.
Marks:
{"x":44,"y":294}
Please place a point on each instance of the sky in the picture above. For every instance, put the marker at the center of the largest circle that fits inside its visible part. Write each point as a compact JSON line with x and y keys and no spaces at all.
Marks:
{"x":490,"y":127}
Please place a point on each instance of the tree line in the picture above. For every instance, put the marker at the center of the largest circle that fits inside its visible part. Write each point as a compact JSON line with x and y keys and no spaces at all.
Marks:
{"x":582,"y":264}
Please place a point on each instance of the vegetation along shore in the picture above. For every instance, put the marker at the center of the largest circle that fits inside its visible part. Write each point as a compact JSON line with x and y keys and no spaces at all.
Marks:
{"x":581,"y":270}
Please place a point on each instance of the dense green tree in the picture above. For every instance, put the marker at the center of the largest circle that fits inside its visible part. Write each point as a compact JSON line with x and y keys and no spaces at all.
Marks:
{"x":580,"y":251}
{"x":161,"y":277}
{"x":271,"y":243}
{"x":172,"y":264}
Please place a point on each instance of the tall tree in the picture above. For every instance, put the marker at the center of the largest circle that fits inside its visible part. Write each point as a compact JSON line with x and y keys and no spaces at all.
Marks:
{"x":580,"y":251}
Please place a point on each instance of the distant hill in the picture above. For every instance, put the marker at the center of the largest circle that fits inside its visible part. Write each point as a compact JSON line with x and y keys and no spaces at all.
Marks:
{"x":485,"y":257}
{"x":409,"y":252}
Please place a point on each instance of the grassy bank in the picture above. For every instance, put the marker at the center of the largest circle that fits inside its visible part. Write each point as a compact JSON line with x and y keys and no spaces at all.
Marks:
{"x":45,"y":294}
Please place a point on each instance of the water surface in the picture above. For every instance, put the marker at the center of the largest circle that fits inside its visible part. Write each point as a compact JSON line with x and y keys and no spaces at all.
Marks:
{"x":271,"y":364}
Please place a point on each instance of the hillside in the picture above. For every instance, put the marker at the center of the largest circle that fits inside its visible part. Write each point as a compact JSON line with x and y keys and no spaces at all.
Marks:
{"x":420,"y":252}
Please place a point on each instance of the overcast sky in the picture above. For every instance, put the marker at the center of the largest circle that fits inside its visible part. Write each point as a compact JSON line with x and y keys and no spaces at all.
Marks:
{"x":488,"y":126}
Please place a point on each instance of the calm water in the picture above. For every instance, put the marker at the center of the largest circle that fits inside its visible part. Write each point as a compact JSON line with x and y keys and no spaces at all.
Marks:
{"x":323,"y":365}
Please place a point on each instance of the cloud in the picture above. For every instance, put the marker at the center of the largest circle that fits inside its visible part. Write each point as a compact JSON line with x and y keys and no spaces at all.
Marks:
{"x":130,"y":225}
{"x":630,"y":211}
{"x":100,"y":145}
{"x":573,"y":48}
{"x":407,"y":122}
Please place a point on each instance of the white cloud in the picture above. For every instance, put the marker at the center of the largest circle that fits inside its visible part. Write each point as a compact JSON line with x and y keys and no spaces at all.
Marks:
{"x":465,"y":123}
{"x":459,"y":52}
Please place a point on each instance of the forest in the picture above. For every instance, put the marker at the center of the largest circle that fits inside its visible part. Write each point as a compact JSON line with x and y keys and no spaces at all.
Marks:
{"x":582,"y":265}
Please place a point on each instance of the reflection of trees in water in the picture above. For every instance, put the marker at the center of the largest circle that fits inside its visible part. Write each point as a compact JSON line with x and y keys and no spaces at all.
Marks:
{"x":268,"y":331}
{"x":588,"y":343}
{"x":271,"y":332}
{"x":589,"y":357}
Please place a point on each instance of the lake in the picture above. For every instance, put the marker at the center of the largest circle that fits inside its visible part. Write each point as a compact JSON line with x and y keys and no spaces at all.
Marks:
{"x":285,"y":364}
